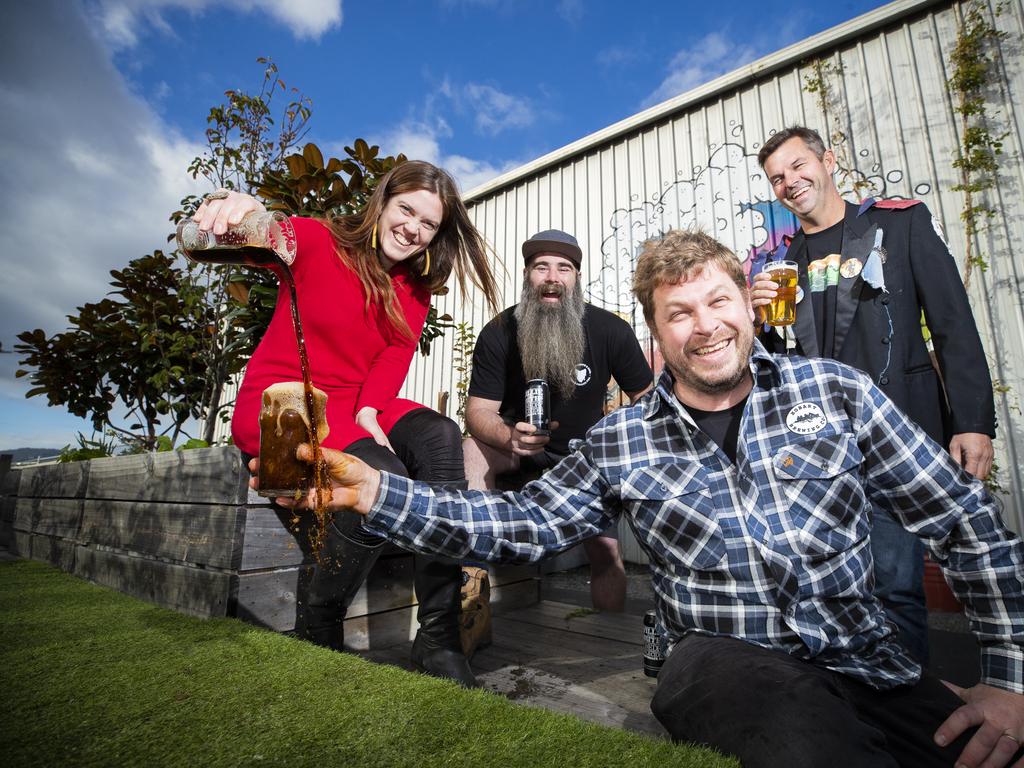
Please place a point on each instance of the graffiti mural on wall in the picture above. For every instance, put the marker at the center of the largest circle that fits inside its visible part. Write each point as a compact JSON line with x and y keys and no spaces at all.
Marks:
{"x":729,"y":198}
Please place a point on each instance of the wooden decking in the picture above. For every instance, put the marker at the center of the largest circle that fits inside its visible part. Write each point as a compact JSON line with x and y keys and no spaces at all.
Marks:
{"x":548,"y":655}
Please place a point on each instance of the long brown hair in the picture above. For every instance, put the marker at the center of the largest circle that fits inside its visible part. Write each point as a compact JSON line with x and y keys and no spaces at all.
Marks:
{"x":456,"y":245}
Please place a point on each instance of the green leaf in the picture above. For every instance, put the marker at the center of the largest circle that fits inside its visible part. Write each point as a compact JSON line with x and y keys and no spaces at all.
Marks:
{"x":311,"y":152}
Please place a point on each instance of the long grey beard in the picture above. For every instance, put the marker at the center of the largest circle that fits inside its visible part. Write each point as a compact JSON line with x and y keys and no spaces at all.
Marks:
{"x":551,"y":338}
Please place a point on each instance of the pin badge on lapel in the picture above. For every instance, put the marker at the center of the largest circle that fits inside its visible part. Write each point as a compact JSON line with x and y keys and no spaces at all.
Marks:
{"x":850,"y":268}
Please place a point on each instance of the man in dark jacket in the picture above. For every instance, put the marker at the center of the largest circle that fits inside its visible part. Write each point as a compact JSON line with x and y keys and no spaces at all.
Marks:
{"x":866,"y":274}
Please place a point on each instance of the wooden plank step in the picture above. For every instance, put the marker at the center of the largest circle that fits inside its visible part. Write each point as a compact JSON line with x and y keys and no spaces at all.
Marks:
{"x":183,"y":588}
{"x":581,"y":673}
{"x":201,"y":534}
{"x":57,"y":481}
{"x":624,"y":627}
{"x":204,"y":475}
{"x":61,"y":518}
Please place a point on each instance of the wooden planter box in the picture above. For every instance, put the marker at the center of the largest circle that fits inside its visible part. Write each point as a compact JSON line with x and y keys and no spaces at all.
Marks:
{"x":183,"y":530}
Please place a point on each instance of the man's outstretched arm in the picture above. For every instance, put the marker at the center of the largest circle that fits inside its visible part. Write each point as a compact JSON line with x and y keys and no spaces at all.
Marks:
{"x":565,"y":507}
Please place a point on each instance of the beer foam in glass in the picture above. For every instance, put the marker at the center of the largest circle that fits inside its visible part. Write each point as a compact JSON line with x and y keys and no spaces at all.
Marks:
{"x":284,"y":424}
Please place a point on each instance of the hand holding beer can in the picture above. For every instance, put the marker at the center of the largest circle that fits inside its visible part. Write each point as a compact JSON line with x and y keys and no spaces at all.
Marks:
{"x":782,"y":309}
{"x":538,"y":406}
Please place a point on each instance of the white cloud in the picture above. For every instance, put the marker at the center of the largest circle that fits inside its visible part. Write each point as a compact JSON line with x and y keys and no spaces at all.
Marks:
{"x":711,"y":56}
{"x":93,"y":175}
{"x":421,"y":140}
{"x":121,"y":19}
{"x":422,"y":135}
{"x":495,"y":110}
{"x":570,"y":10}
{"x":617,"y":55}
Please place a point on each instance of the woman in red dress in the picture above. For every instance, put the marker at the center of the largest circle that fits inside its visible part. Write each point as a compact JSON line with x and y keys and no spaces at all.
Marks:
{"x":363,"y":283}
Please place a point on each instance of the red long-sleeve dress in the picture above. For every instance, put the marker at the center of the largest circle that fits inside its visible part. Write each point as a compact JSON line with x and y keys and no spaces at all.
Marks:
{"x":355,"y":355}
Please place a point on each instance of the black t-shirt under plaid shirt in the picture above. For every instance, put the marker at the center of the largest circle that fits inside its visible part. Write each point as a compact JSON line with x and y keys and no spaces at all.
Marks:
{"x":773,"y":548}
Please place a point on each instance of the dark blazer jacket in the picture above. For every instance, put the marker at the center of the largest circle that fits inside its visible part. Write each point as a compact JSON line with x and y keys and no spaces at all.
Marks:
{"x":920,"y":274}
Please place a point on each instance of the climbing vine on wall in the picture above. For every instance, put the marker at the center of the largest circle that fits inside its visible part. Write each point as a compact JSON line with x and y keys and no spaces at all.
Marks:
{"x":975,"y":70}
{"x":820,"y":82}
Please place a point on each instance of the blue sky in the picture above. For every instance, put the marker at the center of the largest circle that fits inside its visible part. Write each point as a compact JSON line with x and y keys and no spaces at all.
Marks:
{"x":105,"y":102}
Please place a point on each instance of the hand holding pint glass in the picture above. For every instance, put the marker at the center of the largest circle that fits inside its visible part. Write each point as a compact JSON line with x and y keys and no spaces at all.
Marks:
{"x":284,"y":425}
{"x":780,"y":311}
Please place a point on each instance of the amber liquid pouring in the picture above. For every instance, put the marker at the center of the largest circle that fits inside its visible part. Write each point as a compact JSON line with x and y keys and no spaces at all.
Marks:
{"x":265,"y":257}
{"x":321,"y":483}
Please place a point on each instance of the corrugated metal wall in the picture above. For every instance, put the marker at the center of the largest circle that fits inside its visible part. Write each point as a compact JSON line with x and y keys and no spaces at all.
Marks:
{"x":692,"y":162}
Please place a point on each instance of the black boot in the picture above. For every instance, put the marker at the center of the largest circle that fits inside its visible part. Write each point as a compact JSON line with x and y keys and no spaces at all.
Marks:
{"x":437,"y":649}
{"x":345,"y":561}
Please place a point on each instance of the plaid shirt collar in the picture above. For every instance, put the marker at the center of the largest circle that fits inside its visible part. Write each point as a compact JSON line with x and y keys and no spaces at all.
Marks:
{"x":763,"y":367}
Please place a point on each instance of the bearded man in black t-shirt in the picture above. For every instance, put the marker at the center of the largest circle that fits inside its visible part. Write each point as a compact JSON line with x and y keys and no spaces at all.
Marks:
{"x":552,"y":334}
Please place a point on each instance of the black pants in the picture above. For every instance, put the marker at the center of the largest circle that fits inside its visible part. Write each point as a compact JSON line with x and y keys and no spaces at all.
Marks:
{"x":428,"y":447}
{"x":771,"y":710}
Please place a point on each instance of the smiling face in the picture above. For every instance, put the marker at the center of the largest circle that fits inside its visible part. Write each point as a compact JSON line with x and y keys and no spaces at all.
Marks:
{"x":803,"y":183}
{"x":551,"y":276}
{"x":705,"y":330}
{"x":407,"y":224}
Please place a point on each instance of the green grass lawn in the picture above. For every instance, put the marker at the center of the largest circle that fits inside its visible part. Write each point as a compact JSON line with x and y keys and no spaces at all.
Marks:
{"x":93,"y":677}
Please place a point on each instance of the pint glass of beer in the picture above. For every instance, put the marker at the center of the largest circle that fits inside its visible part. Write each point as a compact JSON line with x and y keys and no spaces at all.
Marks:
{"x":782,"y":310}
{"x":284,"y":424}
{"x":260,"y":239}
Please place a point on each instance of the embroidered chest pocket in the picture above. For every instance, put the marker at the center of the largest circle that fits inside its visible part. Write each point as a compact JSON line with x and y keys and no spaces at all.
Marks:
{"x":674,"y":514}
{"x":824,"y":489}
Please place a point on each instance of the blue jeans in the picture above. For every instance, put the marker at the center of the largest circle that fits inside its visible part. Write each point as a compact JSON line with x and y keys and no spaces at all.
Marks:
{"x":899,"y":582}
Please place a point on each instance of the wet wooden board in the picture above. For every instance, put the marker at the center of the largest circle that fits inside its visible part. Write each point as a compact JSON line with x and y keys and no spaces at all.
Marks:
{"x":626,"y":627}
{"x":591,"y":667}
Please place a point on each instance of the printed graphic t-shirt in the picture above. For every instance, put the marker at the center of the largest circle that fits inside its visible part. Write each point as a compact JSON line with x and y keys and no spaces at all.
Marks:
{"x":823,"y":259}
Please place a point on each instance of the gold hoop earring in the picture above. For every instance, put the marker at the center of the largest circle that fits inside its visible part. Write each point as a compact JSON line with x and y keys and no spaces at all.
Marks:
{"x":373,"y":237}
{"x":426,"y":265}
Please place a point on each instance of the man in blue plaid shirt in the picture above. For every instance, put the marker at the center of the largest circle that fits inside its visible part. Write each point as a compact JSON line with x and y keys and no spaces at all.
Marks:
{"x":748,"y":479}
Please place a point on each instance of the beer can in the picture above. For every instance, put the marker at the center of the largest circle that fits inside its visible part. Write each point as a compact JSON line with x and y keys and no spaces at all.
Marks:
{"x":538,"y":405}
{"x":654,"y":645}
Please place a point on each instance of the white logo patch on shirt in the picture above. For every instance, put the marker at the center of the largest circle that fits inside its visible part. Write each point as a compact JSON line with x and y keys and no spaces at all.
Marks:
{"x":582,"y":374}
{"x":806,"y":419}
